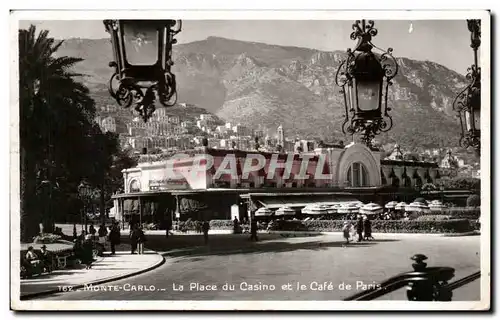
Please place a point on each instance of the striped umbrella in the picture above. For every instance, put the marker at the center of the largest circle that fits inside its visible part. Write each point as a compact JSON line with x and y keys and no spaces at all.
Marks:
{"x":359,"y":204}
{"x":391,"y":205}
{"x":317,"y":209}
{"x":371,"y":208}
{"x":285,"y":211}
{"x":401,"y":206}
{"x":263,"y":212}
{"x":417,"y":207}
{"x":348,"y":208}
{"x":436,"y":205}
{"x":332,"y":209}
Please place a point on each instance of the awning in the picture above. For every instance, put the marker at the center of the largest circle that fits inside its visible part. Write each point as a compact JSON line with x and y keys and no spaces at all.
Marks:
{"x":299,"y":202}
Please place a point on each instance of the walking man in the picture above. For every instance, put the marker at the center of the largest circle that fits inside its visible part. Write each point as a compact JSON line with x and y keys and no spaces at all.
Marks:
{"x":253,"y":230}
{"x":114,"y":237}
{"x":368,"y":229}
{"x":103,"y":232}
{"x":206,"y":227}
{"x":359,"y":228}
{"x":141,"y":238}
{"x":133,"y":239}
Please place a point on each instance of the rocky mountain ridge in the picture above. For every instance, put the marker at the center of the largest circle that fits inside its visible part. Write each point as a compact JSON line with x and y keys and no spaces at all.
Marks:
{"x":268,"y":85}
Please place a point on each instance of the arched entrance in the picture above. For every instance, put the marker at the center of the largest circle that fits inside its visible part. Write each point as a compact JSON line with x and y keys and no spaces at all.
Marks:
{"x":357,"y":167}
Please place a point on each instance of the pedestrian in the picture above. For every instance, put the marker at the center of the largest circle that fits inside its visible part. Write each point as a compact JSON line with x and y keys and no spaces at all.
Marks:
{"x":346,"y":230}
{"x":133,"y":239}
{"x":114,"y":237}
{"x":359,"y":228}
{"x":103,"y":232}
{"x":31,"y":255}
{"x":168,"y":227}
{"x":236,"y":226}
{"x":206,"y":227}
{"x":30,"y":262}
{"x":92,"y":230}
{"x":253,"y":230}
{"x":367,"y":226}
{"x":141,"y":238}
{"x":46,"y":258}
{"x":87,"y":252}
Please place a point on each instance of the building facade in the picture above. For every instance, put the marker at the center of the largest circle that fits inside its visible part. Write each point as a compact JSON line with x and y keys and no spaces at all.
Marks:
{"x":219,"y":179}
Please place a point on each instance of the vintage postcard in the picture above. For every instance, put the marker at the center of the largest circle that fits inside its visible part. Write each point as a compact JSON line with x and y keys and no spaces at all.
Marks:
{"x":260,"y":160}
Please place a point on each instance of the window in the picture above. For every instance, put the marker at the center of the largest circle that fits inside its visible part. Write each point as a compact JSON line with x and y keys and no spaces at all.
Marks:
{"x":357,"y":175}
{"x":135,"y":186}
{"x":382,"y":175}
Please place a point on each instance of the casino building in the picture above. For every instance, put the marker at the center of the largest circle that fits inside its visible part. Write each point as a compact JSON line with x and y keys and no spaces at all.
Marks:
{"x":333,"y":173}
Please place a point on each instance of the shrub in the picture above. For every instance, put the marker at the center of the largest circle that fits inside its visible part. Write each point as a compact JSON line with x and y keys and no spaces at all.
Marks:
{"x":221,"y":224}
{"x":462,"y":184}
{"x":463,"y":213}
{"x":473,"y":201}
{"x":475,"y":224}
{"x":420,"y":200}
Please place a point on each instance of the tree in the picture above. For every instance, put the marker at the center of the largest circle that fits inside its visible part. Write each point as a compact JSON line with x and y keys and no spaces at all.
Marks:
{"x":474,"y":201}
{"x":55,"y":114}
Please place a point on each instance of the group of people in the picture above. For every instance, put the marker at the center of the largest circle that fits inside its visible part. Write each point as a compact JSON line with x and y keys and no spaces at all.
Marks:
{"x":42,"y":262}
{"x":137,"y":239}
{"x":363,"y":229}
{"x":113,"y":235}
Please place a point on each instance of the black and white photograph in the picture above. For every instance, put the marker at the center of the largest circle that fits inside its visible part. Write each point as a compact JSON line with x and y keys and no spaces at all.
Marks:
{"x":278,"y":160}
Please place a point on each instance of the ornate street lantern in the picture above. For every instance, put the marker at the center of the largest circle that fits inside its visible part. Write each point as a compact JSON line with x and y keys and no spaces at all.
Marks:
{"x":142,"y":61}
{"x":365,"y":77}
{"x":468,"y":102}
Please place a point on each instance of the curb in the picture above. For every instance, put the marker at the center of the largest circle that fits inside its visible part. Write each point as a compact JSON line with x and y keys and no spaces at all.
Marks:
{"x":464,"y":234}
{"x":97,"y":281}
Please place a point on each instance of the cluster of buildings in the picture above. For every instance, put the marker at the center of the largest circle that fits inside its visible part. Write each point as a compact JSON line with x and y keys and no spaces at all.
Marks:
{"x":168,"y":132}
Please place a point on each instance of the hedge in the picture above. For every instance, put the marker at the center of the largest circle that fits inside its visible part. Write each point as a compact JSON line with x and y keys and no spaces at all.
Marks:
{"x":383,"y":226}
{"x":221,"y":224}
{"x":459,"y":213}
{"x":434,"y":217}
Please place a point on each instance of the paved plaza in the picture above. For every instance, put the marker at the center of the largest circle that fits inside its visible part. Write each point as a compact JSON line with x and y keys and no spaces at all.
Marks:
{"x":285,"y":268}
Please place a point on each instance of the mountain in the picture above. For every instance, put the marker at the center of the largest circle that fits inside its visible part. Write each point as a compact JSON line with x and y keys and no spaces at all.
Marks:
{"x":262,"y":84}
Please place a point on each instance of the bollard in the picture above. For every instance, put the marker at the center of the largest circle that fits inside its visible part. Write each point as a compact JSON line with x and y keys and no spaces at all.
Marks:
{"x":428,"y":284}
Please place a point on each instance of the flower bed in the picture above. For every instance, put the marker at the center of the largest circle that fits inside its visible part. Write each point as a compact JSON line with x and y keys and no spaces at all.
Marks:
{"x":46,"y":238}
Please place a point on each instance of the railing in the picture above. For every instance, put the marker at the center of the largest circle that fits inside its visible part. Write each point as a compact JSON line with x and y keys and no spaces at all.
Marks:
{"x":422,"y":284}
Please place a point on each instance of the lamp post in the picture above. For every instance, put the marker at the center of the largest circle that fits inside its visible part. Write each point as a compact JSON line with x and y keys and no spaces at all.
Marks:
{"x":364,"y":78}
{"x":467,"y":104}
{"x":142,"y":52}
{"x":47,"y":188}
{"x":85,"y":192}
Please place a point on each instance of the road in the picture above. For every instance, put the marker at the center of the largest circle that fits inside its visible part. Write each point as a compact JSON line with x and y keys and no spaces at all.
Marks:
{"x":277,"y":268}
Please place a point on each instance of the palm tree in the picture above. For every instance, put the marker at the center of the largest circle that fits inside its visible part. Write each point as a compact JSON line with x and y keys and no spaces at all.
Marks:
{"x":55,"y":114}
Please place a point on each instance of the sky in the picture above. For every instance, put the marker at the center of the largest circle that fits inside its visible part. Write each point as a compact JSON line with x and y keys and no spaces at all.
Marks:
{"x":446,"y":42}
